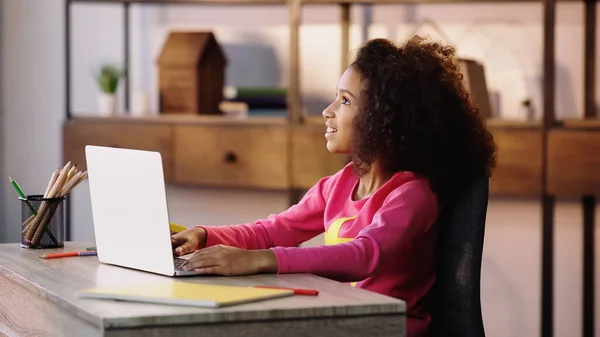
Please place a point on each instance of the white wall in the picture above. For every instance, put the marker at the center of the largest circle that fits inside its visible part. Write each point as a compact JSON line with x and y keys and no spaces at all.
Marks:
{"x":33,"y":92}
{"x":33,"y":78}
{"x":2,"y":157}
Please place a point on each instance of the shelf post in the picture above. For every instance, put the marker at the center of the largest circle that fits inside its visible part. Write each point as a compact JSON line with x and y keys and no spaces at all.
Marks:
{"x":548,"y":201}
{"x":589,"y":205}
{"x":589,"y":60}
{"x":126,"y":54}
{"x":345,"y":43}
{"x":67,"y":31}
{"x":589,"y":201}
{"x":294,"y":99}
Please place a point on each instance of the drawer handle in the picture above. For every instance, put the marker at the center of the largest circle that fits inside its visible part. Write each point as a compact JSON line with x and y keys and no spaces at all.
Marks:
{"x":230,"y":157}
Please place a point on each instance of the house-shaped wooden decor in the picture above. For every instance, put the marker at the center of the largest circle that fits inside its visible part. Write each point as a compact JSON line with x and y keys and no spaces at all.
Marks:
{"x":191,"y":74}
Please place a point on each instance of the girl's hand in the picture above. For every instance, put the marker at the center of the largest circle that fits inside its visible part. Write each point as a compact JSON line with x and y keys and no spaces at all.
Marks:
{"x":229,"y":261}
{"x":188,"y":241}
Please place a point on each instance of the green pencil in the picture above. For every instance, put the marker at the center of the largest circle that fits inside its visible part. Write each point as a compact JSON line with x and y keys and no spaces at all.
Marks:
{"x":20,"y":191}
{"x":33,"y":210}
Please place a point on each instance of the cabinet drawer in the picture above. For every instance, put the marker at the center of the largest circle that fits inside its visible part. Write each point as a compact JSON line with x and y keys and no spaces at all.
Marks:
{"x":310,"y":158}
{"x":574,"y":162}
{"x":149,"y":137}
{"x":230,"y":155}
{"x":519,"y":163}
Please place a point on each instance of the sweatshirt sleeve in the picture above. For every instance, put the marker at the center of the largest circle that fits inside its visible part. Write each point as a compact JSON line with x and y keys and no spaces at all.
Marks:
{"x":403,"y":217}
{"x":297,"y":224}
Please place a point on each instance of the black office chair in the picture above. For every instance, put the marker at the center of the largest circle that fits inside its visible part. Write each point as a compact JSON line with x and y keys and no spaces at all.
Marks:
{"x":455,"y":302}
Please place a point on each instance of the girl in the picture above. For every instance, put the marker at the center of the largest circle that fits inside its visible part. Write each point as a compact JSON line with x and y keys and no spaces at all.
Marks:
{"x":416,"y":141}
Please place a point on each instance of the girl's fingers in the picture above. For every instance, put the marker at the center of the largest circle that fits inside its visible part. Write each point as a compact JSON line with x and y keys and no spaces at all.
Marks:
{"x":209,"y":250}
{"x":183,"y":249}
{"x":206,"y":252}
{"x":207,"y":270}
{"x":197,"y":262}
{"x":175,"y":242}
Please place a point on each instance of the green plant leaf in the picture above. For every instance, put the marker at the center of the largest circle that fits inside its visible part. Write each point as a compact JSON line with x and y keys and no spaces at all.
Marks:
{"x":108,"y":78}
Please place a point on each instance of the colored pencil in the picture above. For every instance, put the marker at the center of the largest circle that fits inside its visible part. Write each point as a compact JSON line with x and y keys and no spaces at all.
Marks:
{"x":22,"y":194}
{"x":51,"y":182}
{"x":61,"y":183}
{"x":33,"y":210}
{"x":307,"y":292}
{"x":68,"y":254}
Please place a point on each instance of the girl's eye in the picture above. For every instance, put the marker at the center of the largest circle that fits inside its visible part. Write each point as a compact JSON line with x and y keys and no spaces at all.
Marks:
{"x":345,"y":100}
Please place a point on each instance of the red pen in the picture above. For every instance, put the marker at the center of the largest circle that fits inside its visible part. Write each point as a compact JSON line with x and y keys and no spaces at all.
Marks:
{"x":308,"y":292}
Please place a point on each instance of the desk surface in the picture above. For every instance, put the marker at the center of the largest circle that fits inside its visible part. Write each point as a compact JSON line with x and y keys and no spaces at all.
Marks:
{"x":57,"y":280}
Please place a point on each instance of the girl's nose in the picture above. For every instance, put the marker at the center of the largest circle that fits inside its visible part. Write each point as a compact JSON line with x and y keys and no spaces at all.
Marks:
{"x":328,"y":112}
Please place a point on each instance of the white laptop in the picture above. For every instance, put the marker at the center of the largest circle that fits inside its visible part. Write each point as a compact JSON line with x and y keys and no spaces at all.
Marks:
{"x":129,"y":210}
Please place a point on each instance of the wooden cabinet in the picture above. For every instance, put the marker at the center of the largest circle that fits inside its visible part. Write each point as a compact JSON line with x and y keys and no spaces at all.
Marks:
{"x":212,"y":151}
{"x":231,"y":155}
{"x":519,"y":162}
{"x":574,"y":162}
{"x":150,"y":137}
{"x":272,"y":155}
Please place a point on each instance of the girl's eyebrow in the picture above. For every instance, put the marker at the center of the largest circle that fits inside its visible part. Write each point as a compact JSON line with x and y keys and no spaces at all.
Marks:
{"x":347,"y":92}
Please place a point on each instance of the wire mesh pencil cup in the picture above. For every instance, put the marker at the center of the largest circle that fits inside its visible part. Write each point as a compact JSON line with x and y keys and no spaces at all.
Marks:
{"x":42,"y":222}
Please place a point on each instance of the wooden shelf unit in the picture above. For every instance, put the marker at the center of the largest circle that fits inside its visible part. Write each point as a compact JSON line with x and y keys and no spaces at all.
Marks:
{"x":212,"y":151}
{"x":216,"y":137}
{"x":545,"y":159}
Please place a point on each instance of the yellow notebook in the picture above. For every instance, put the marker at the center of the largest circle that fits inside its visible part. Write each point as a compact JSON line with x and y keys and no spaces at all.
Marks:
{"x":185,"y":293}
{"x":177,"y":228}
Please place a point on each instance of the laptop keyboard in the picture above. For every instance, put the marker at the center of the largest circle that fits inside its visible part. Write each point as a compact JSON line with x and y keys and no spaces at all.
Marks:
{"x":178,"y":262}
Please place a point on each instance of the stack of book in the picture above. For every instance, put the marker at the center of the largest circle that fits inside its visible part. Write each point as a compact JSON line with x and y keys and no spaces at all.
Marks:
{"x":254,"y":101}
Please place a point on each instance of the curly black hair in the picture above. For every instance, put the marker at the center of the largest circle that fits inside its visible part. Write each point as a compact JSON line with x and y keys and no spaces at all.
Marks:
{"x":417,"y":116}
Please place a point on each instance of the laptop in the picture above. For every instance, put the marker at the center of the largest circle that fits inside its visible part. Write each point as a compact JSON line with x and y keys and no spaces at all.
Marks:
{"x":129,"y":210}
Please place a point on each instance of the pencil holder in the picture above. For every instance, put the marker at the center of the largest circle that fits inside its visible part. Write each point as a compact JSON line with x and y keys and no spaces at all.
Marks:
{"x":42,"y":222}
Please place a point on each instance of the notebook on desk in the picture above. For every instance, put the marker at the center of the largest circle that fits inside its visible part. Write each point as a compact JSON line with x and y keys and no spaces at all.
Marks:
{"x":185,"y":293}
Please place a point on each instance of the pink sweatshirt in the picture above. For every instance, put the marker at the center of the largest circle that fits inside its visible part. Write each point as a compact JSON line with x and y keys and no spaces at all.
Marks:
{"x":393,"y":246}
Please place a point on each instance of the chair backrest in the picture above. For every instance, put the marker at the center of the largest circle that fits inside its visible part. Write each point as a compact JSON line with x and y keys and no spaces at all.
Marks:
{"x":455,"y":301}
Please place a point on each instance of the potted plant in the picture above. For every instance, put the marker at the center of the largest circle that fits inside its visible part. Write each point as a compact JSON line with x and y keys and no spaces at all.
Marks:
{"x":108,"y":82}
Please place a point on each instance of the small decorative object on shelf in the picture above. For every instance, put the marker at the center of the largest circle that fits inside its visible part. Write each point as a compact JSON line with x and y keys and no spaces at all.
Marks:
{"x":140,"y":104}
{"x":108,"y":82}
{"x":191,"y":74}
{"x":527,"y":112}
{"x":475,"y":83}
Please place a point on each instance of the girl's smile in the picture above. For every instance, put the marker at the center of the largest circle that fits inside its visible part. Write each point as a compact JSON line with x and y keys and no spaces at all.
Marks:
{"x":330,"y":131}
